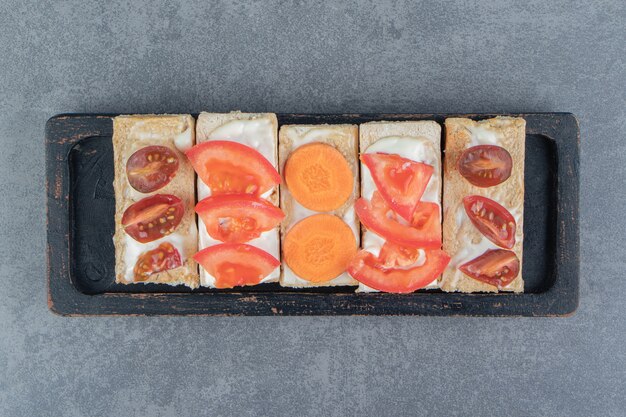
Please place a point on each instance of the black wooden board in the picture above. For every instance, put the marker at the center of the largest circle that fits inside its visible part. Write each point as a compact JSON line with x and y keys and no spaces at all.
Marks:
{"x":81,"y":258}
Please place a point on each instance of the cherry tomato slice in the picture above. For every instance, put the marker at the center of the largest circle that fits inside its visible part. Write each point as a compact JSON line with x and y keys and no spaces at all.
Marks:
{"x":400,"y":181}
{"x":491,"y":219}
{"x":163,"y":258}
{"x":370,"y":271}
{"x":232,"y":168}
{"x":153,"y":217}
{"x":378,"y":217}
{"x":496,"y":267}
{"x":238,"y":218}
{"x":236,"y":264}
{"x":151,"y":168}
{"x":485,"y":165}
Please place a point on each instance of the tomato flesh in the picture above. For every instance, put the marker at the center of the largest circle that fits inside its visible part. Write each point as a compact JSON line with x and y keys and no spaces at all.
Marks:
{"x":485,"y":165}
{"x":371,"y":271}
{"x":232,"y":168}
{"x":151,"y":168}
{"x":496,"y":267}
{"x":153,"y":217}
{"x":400,"y":181}
{"x":238,"y":218}
{"x":491,"y":219}
{"x":392,"y":255}
{"x":378,"y":217}
{"x":163,"y":258}
{"x":236,"y":264}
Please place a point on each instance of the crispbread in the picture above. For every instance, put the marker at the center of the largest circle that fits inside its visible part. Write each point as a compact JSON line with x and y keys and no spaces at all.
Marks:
{"x":207,"y":124}
{"x":131,"y":133}
{"x":371,"y":132}
{"x":344,"y":138}
{"x":456,"y":226}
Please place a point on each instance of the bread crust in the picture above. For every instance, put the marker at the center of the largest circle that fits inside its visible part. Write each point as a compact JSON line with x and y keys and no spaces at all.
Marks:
{"x":209,"y":122}
{"x":131,"y":133}
{"x":510,"y":194}
{"x":342,"y":137}
{"x":371,"y":132}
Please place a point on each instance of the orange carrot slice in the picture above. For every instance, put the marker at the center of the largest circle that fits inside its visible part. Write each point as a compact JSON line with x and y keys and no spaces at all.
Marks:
{"x":319,"y":177}
{"x":319,"y":248}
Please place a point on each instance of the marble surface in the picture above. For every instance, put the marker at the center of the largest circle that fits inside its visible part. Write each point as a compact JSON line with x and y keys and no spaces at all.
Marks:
{"x":293,"y":56}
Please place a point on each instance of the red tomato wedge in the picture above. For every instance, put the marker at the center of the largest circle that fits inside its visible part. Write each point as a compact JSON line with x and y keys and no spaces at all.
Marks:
{"x":496,"y":267}
{"x":153,"y":217}
{"x":151,"y":168}
{"x":238,"y":218}
{"x":491,"y":219}
{"x":392,"y":255}
{"x":236,"y":264}
{"x":400,"y":181}
{"x":232,"y":168}
{"x":485,"y":165}
{"x":163,"y":258}
{"x":370,"y":271}
{"x":378,"y":217}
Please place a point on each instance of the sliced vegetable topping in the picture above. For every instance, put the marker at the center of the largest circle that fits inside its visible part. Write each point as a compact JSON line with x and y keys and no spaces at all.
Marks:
{"x":318,"y":248}
{"x":491,"y":219}
{"x":496,"y":267}
{"x":232,"y":168}
{"x":392,"y":255}
{"x":236,"y":264}
{"x":319,"y":177}
{"x":163,"y":258}
{"x":373,"y":272}
{"x":151,"y":168}
{"x":238,"y":218}
{"x":153,"y":217}
{"x":485,"y":165}
{"x":424,"y":232}
{"x":400,"y":181}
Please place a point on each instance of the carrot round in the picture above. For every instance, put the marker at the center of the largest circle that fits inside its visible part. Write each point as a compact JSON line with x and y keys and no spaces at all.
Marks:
{"x":319,"y":177}
{"x":319,"y":248}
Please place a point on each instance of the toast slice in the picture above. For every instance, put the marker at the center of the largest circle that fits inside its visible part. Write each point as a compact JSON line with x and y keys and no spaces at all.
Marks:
{"x":130,"y":134}
{"x":461,"y":240}
{"x":260,"y":132}
{"x":343,"y":138}
{"x":416,"y":140}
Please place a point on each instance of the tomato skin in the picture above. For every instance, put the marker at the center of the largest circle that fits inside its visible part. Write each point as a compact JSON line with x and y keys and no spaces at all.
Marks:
{"x":378,"y":217}
{"x":485,"y":165}
{"x":153,"y":217}
{"x":238,"y":218}
{"x":151,"y":168}
{"x":497,"y":267}
{"x":400,"y":181}
{"x":491,"y":219}
{"x":236,"y":264}
{"x":163,"y":258}
{"x":369,"y":270}
{"x":228,"y":167}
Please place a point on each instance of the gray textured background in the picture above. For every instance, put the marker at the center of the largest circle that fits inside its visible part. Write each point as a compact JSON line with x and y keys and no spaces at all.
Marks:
{"x":386,"y":56}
